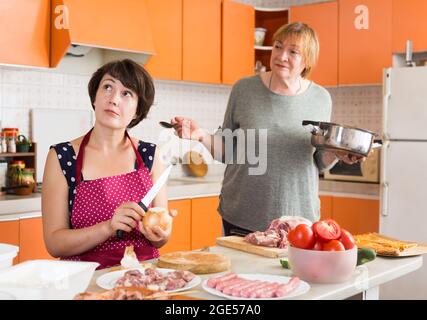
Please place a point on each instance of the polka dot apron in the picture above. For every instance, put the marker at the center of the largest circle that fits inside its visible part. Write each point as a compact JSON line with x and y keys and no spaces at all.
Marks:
{"x":96,"y":201}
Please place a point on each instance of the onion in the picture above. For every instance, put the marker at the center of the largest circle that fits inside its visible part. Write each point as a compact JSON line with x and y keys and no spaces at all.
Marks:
{"x":157,"y":216}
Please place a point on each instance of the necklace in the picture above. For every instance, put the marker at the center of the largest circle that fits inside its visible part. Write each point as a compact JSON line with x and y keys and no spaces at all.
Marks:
{"x":299,"y":81}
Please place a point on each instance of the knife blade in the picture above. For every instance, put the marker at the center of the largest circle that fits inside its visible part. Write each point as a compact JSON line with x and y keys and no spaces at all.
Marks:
{"x":148,"y":198}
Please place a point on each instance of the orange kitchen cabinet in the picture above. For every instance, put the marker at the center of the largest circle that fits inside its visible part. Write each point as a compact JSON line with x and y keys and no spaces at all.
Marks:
{"x":325,"y":207}
{"x":206,"y":223}
{"x":180,"y":239}
{"x":9,"y":233}
{"x":201,"y":57}
{"x":409,"y":23}
{"x":31,"y":242}
{"x":356,"y":215}
{"x":364,"y":41}
{"x":323,"y":18}
{"x":166,"y":27}
{"x":115,"y":25}
{"x":238,"y":23}
{"x":25,"y":32}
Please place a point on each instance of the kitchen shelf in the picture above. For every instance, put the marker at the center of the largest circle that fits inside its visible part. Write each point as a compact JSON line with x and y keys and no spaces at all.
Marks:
{"x":17,"y":154}
{"x":265,"y":48}
{"x":28,"y":157}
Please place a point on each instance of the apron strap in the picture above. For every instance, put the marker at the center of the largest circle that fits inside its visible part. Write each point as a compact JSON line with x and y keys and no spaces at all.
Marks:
{"x":80,"y":156}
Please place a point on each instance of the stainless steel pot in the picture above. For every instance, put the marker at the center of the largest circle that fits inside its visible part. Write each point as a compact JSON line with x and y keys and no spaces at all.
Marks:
{"x":332,"y":136}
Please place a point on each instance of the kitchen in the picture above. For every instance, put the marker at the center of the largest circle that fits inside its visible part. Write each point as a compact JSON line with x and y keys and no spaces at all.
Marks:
{"x":33,"y":90}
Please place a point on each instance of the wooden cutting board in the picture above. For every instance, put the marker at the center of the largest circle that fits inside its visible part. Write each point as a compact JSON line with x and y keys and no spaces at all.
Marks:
{"x":238,"y":243}
{"x":197,"y":262}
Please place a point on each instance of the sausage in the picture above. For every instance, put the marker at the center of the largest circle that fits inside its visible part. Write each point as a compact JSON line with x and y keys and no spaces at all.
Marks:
{"x":248,"y":292}
{"x":229,"y":289}
{"x":223,"y":284}
{"x":287,"y":288}
{"x":264,"y":291}
{"x":236,"y":292}
{"x":214,"y":281}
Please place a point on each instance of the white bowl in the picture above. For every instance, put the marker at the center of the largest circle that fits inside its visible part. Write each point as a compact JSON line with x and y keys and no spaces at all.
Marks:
{"x":7,"y":253}
{"x":47,"y":279}
{"x":322,"y":266}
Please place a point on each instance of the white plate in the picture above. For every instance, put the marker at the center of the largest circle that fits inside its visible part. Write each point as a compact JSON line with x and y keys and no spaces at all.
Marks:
{"x":108,"y":280}
{"x":303,"y":287}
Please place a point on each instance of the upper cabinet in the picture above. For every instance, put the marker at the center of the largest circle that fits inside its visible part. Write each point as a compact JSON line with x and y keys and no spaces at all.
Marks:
{"x":237,"y":41}
{"x":323,"y":18}
{"x":364,"y":41}
{"x":25,"y":32}
{"x":120,"y":26}
{"x":201,"y":41}
{"x":409,"y":23}
{"x":166,"y":26}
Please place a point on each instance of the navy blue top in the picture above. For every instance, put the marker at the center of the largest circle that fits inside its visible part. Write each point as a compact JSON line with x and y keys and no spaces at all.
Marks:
{"x":67,"y":159}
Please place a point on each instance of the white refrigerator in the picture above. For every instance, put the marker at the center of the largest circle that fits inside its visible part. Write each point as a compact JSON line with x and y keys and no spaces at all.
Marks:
{"x":403,"y":195}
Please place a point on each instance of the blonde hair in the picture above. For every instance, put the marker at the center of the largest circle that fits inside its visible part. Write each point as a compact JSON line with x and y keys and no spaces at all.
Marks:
{"x":306,"y":38}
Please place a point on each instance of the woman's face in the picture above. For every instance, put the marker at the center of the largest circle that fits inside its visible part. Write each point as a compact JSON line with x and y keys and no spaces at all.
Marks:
{"x":115,"y":105}
{"x":286,"y":59}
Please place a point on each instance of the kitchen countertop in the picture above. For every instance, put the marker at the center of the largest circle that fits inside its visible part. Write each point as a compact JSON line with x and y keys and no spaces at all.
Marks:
{"x":366,"y":278}
{"x":189,"y":187}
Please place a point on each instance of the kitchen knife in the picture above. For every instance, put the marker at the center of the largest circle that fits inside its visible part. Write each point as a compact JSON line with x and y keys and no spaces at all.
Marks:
{"x":145,"y":202}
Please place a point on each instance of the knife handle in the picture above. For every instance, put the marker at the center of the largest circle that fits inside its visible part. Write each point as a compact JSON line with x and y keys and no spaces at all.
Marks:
{"x":120,"y":233}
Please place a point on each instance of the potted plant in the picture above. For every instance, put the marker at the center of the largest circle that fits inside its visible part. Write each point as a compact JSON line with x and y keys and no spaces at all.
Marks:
{"x":23,"y":144}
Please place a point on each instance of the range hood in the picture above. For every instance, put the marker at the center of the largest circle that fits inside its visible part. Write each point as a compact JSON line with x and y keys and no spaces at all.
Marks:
{"x":104,"y":29}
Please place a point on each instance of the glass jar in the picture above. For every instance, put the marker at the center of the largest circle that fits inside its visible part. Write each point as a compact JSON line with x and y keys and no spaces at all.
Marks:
{"x":11,"y":143}
{"x":3,"y":143}
{"x":27,"y":180}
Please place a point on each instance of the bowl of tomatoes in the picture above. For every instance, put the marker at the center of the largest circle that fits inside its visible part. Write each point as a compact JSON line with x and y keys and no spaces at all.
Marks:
{"x":322,"y":253}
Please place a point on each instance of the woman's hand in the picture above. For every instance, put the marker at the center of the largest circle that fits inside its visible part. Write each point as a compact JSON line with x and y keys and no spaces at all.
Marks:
{"x":156,"y":235}
{"x":187,"y":128}
{"x":349,"y":158}
{"x":126,"y":217}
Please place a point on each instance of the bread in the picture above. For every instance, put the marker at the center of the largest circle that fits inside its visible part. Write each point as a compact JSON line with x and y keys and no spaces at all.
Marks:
{"x":383,"y":245}
{"x":195,"y":261}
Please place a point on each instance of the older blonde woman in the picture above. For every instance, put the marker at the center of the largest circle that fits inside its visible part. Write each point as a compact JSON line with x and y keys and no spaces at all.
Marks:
{"x":276,"y":102}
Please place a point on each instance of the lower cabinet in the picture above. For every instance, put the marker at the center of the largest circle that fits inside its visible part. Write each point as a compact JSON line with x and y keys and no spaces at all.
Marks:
{"x":206,"y":223}
{"x":180,"y":239}
{"x":27,"y":233}
{"x":325,"y":207}
{"x":357,"y":215}
{"x":354,"y":214}
{"x":31,"y":242}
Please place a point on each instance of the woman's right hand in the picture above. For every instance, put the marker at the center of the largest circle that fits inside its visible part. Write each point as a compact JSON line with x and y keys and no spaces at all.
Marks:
{"x":126,"y":217}
{"x":187,"y":128}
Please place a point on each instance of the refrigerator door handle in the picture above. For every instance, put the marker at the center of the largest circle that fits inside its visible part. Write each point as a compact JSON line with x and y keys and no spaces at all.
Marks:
{"x":384,"y":202}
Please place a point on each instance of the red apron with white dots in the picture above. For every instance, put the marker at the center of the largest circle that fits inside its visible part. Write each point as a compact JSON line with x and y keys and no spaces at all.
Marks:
{"x":96,"y":201}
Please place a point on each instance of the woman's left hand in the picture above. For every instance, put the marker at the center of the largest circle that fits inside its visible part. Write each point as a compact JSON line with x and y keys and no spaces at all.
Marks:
{"x":349,"y":158}
{"x":156,"y":235}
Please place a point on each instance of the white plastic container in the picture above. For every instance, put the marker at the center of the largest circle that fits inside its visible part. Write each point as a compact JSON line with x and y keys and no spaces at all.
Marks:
{"x":47,"y":279}
{"x":7,"y":253}
{"x":322,"y":266}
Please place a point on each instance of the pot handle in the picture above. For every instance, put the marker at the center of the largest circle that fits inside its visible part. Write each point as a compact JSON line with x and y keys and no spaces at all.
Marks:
{"x":315,"y":126}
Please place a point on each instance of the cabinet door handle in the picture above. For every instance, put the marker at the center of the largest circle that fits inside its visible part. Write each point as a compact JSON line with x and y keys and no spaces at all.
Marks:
{"x":384,"y":202}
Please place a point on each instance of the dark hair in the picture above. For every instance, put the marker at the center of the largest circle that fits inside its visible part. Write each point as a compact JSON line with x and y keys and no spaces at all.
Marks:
{"x":131,"y":75}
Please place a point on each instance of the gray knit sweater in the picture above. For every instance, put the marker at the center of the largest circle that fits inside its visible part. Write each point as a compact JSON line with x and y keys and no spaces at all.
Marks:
{"x":284,"y":181}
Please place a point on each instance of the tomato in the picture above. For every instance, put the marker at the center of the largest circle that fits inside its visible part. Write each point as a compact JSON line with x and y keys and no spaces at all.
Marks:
{"x":333,"y":245}
{"x":302,"y":237}
{"x":347,"y":239}
{"x":318,"y":245}
{"x":327,"y":230}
